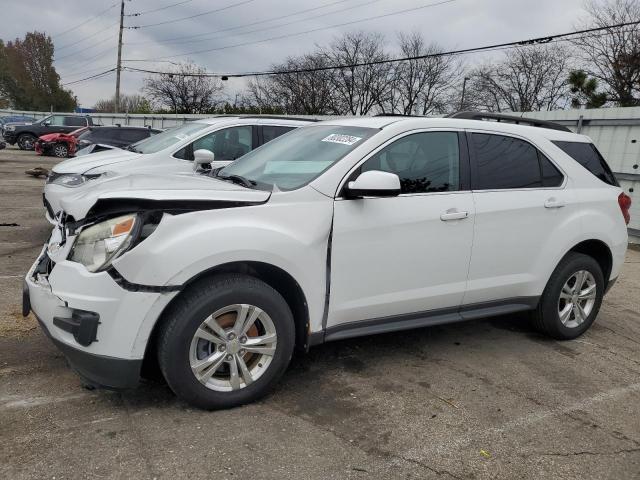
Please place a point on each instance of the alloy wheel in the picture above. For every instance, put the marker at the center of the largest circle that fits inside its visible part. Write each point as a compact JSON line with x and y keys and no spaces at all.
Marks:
{"x":60,"y":151}
{"x":577,"y":298}
{"x":233,"y":347}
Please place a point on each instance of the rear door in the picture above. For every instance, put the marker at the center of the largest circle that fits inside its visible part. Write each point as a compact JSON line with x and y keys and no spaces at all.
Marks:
{"x":520,"y":197}
{"x":71,"y":123}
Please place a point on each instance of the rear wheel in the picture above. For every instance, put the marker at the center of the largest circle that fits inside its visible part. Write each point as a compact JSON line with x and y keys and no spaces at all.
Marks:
{"x":226,"y":341}
{"x":60,"y":150}
{"x":572,"y":298}
{"x":26,"y":141}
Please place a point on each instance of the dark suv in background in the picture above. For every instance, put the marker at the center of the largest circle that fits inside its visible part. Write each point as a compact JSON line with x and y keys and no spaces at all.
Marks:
{"x":26,"y":135}
{"x":96,"y":139}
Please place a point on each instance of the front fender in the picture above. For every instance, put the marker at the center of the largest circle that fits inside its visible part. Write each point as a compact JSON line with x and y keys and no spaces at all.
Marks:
{"x":292,"y":236}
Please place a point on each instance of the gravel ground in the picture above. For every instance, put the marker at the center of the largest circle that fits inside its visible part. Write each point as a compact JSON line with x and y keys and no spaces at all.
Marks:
{"x":487,"y":399}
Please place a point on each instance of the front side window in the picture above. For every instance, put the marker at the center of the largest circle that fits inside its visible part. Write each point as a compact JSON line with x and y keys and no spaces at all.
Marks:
{"x":293,"y":160}
{"x":587,"y":155}
{"x":505,"y":162}
{"x":227,"y":144}
{"x":168,"y":138}
{"x":54,"y":120}
{"x":425,"y":162}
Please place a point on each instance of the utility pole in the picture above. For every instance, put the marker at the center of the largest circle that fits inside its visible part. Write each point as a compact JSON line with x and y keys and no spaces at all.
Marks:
{"x":119,"y":65}
{"x":464,"y":89}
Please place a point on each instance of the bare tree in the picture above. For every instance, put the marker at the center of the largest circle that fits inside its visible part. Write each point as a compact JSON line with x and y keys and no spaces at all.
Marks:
{"x":184,"y":90}
{"x":527,"y":79}
{"x":301,"y":87}
{"x":420,"y":86}
{"x":128,"y":103}
{"x":358,"y":89}
{"x":613,"y":58}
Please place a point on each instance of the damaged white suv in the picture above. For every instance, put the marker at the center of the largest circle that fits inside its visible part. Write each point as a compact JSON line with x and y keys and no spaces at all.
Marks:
{"x":339,"y":229}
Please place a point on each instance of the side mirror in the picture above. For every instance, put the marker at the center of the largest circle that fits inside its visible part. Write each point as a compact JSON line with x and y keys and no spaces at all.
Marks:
{"x":374,"y":183}
{"x":47,"y":123}
{"x":202,"y":157}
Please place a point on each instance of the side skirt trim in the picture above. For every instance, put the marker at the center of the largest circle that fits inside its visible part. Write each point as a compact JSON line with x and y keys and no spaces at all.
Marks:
{"x":427,"y":318}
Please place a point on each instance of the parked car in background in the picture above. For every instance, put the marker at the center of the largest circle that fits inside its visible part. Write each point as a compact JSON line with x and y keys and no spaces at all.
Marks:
{"x":345,"y":228}
{"x":68,"y":144}
{"x":61,"y":145}
{"x":220,"y":140}
{"x":14,"y":120}
{"x":26,"y":135}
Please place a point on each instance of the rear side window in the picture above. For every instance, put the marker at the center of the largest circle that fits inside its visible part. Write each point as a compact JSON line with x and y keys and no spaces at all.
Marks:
{"x":75,"y":121}
{"x":587,"y":155}
{"x":551,"y":176}
{"x":505,"y":162}
{"x":269,"y":132}
{"x":131,"y":135}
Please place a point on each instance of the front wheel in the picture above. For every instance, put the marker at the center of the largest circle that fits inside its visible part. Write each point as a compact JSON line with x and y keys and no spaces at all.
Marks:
{"x":572,"y":298}
{"x":60,"y":150}
{"x":26,"y":141}
{"x":226,"y":341}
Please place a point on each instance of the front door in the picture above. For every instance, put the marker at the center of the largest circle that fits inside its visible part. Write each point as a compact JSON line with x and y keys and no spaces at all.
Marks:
{"x":410,"y":253}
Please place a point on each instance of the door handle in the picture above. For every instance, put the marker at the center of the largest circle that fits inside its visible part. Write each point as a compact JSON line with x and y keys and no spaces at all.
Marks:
{"x":453,"y":214}
{"x":553,"y":203}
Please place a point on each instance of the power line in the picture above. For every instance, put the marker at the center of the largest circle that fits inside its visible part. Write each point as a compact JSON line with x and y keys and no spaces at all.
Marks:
{"x":233,"y":5}
{"x":85,"y":21}
{"x":76,"y":73}
{"x":93,"y":45}
{"x":287,"y":23}
{"x":102,"y":74}
{"x":158,"y":9}
{"x":73,"y":44}
{"x":183,"y":38}
{"x":399,"y":12}
{"x":520,"y":43}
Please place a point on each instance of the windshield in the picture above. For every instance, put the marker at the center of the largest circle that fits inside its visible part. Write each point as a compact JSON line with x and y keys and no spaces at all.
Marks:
{"x":296,"y":158}
{"x":167,"y":138}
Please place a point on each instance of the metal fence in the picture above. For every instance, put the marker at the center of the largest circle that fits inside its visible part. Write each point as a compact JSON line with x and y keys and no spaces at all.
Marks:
{"x":615,"y":131}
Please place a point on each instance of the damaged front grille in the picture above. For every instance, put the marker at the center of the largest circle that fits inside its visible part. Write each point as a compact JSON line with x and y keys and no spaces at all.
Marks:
{"x":44,"y":267}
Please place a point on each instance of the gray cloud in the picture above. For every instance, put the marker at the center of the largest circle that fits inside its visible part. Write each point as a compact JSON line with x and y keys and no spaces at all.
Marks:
{"x":459,"y":24}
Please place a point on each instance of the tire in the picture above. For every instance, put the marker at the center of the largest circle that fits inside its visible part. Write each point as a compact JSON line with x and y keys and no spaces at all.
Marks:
{"x":26,"y":141}
{"x":560,"y":296}
{"x":182,"y":353}
{"x":60,"y":150}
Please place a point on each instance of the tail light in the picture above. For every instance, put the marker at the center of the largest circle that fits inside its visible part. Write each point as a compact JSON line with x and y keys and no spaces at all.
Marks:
{"x":624,"y":201}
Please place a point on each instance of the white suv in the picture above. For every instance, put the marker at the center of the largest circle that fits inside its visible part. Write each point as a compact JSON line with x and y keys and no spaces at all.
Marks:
{"x":172,"y":151}
{"x":335,"y":230}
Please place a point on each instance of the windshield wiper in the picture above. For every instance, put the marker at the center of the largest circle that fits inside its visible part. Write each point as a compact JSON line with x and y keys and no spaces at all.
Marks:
{"x":239,"y":179}
{"x":131,"y":148}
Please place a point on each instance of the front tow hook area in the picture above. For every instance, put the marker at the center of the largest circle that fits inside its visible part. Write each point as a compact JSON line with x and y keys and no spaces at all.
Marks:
{"x":82,"y":325}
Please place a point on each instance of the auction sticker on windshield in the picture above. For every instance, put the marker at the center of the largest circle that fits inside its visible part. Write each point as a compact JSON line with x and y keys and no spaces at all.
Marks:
{"x":343,"y":139}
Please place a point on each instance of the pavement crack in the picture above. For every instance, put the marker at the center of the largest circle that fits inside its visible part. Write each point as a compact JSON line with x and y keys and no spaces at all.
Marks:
{"x":425,"y":466}
{"x":583,"y":452}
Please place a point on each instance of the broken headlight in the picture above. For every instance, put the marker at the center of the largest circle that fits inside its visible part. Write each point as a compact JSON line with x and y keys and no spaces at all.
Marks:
{"x":70,"y":179}
{"x":100,"y":244}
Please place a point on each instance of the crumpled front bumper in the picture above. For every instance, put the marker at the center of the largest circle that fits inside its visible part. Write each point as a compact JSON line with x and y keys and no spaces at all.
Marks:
{"x":108,"y":350}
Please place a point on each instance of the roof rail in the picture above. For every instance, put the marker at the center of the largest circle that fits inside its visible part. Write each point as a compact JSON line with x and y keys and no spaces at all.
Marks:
{"x":500,"y":117}
{"x":279,"y":117}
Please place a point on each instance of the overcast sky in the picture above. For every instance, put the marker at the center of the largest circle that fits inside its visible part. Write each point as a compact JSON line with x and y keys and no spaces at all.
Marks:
{"x":453,"y":24}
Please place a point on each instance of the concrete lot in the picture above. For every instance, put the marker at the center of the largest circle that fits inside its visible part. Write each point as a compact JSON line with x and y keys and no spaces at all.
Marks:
{"x":489,"y":399}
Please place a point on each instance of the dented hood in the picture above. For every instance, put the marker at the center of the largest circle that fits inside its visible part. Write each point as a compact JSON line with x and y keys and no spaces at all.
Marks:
{"x":84,"y":163}
{"x":176,"y":192}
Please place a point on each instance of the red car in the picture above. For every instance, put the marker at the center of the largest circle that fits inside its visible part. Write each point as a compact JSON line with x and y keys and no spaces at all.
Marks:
{"x":61,"y":145}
